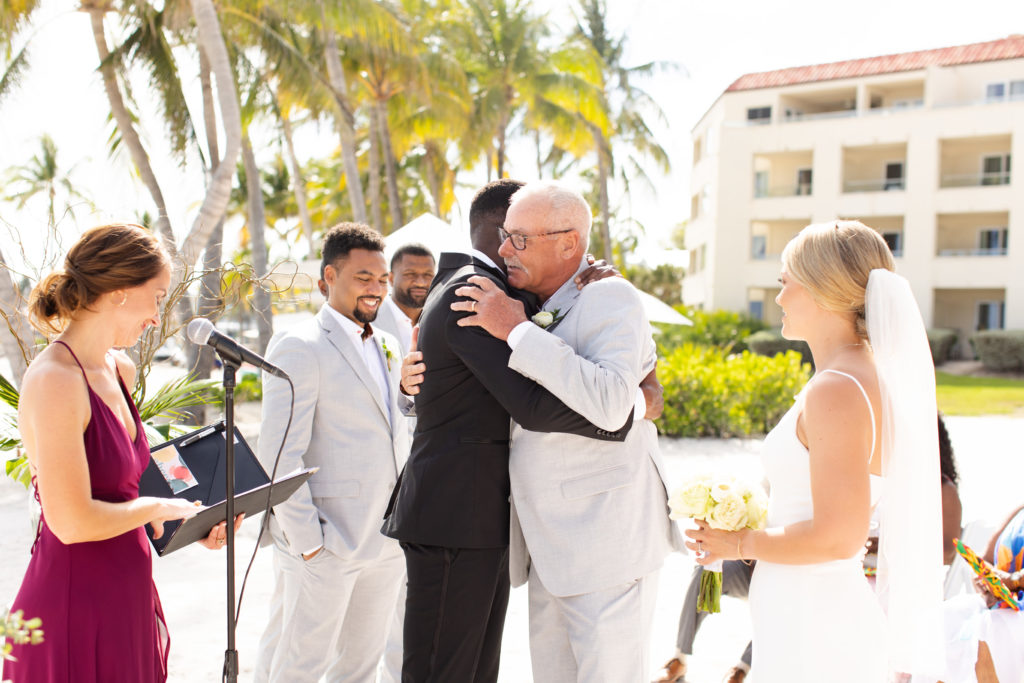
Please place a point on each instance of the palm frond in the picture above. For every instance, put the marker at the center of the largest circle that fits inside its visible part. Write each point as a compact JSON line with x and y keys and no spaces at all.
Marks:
{"x":8,"y":394}
{"x":14,"y":73}
{"x":173,"y":397}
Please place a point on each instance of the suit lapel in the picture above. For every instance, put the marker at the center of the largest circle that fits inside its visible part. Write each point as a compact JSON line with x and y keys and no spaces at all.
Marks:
{"x":336,"y":336}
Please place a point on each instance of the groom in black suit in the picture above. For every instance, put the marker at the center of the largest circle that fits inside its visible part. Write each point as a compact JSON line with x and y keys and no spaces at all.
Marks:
{"x":450,"y":509}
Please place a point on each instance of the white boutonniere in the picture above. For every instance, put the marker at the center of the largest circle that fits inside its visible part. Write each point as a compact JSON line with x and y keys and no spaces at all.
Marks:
{"x":546,"y":319}
{"x":387,"y":353}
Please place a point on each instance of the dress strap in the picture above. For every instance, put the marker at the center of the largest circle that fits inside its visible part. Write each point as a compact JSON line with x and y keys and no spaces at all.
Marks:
{"x":65,"y":345}
{"x":871,"y":409}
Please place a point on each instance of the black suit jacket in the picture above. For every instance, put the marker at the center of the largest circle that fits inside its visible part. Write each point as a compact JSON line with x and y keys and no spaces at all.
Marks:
{"x":454,"y":490}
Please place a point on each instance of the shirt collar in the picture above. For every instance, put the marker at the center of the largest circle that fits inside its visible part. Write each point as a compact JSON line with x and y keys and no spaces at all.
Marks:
{"x":348,"y":325}
{"x":476,"y":253}
{"x":396,"y":309}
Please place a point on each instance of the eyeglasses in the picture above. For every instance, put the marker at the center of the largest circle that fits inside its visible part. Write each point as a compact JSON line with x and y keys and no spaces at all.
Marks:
{"x":519,"y":241}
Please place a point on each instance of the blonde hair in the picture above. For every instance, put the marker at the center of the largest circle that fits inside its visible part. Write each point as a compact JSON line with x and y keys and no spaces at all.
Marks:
{"x":833,"y":261}
{"x":104,"y":259}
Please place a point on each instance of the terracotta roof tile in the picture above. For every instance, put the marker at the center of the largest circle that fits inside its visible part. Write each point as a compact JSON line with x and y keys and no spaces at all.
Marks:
{"x":1011,"y":47}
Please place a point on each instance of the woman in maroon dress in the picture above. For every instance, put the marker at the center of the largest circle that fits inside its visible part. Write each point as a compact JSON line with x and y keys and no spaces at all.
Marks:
{"x":90,"y":576}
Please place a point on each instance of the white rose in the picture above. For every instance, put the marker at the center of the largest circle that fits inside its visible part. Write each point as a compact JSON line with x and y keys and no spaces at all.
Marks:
{"x":544,"y":318}
{"x":757,"y":508}
{"x":723,"y":487}
{"x":730,"y":513}
{"x":691,"y":500}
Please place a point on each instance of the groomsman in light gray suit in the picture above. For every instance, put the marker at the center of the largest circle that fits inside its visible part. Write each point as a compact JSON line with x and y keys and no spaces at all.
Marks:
{"x":590,"y":526}
{"x":337,"y":576}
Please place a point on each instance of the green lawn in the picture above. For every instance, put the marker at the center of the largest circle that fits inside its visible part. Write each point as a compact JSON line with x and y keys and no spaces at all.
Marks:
{"x":966,"y":395}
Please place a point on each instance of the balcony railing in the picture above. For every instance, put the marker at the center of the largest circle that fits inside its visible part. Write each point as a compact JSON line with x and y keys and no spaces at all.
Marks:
{"x":976,"y":251}
{"x":873,"y":185}
{"x":801,"y":189}
{"x":976,"y":179}
{"x":800,"y":116}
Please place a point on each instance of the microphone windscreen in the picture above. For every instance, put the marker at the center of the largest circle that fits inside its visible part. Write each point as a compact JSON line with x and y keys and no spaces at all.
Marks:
{"x":199,"y":331}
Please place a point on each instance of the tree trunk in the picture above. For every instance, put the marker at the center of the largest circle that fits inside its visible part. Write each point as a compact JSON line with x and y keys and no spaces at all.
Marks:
{"x":298,"y":184}
{"x":394,"y":201}
{"x":127,"y":129}
{"x":346,"y":120}
{"x":257,"y":235}
{"x":16,"y":336}
{"x":211,"y":41}
{"x":499,"y":161}
{"x":373,"y":175}
{"x":540,"y":162}
{"x":201,"y":358}
{"x":602,"y":182}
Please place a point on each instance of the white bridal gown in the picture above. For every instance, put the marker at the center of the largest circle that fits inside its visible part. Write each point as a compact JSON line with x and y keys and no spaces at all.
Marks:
{"x":811,"y":622}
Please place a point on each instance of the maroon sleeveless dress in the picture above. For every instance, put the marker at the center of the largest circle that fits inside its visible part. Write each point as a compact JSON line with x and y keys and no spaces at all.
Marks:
{"x":102,"y":621}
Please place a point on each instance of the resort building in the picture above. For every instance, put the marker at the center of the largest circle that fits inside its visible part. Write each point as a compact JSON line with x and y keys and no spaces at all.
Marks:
{"x":917,"y":145}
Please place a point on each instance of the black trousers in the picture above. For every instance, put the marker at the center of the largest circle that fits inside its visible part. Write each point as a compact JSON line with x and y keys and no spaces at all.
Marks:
{"x":454,"y":613}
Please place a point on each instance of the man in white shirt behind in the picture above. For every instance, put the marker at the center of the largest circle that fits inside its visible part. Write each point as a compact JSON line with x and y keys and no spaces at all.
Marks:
{"x":412,"y":271}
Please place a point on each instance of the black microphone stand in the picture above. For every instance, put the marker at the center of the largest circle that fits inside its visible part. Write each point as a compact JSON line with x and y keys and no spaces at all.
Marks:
{"x":231,"y":654}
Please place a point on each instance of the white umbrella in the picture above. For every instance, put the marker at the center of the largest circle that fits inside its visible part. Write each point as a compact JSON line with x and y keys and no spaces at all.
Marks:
{"x":659,"y":312}
{"x":431,"y":232}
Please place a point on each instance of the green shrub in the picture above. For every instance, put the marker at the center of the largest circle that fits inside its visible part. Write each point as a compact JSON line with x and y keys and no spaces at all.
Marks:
{"x":771,"y":342}
{"x":1000,"y":349}
{"x":248,"y":387}
{"x":711,"y":393}
{"x":724,"y":329}
{"x":941,"y":342}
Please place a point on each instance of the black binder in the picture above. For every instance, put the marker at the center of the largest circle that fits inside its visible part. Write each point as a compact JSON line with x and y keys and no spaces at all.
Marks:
{"x":202,"y":454}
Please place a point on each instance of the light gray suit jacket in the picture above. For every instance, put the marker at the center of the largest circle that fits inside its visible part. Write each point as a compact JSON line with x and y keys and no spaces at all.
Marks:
{"x":589,"y":514}
{"x":341,"y":425}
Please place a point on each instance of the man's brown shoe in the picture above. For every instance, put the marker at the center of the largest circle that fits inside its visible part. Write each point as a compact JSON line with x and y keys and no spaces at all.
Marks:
{"x":675,"y":671}
{"x":737,"y":675}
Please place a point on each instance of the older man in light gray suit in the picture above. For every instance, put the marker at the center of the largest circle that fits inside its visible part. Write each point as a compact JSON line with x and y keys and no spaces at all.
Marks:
{"x":337,"y":576}
{"x":590,"y":526}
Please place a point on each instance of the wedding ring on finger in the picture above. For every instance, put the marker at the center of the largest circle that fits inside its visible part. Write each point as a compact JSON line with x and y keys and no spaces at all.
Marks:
{"x":473,"y":306}
{"x":701,"y":553}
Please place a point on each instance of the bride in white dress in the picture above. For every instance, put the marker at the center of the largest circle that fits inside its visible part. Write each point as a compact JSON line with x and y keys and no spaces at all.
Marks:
{"x":860,"y":434}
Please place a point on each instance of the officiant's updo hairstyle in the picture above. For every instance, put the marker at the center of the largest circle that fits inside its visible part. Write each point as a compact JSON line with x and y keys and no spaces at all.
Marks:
{"x":833,"y":261}
{"x":103,"y":260}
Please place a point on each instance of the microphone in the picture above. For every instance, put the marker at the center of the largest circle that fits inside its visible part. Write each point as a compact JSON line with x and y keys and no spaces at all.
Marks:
{"x":201,"y":331}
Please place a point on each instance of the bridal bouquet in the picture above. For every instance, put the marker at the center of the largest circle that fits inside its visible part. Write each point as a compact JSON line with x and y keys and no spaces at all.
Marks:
{"x":726,"y":503}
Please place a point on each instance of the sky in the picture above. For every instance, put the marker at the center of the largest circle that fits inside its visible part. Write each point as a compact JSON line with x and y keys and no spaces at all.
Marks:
{"x":713,"y":42}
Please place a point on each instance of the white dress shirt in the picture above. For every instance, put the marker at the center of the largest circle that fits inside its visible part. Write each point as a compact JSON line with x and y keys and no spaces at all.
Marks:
{"x":369,"y":350}
{"x":404,"y":322}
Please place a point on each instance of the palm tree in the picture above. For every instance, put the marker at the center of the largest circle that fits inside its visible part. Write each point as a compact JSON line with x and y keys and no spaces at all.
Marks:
{"x":628,"y":104}
{"x":43,"y":176}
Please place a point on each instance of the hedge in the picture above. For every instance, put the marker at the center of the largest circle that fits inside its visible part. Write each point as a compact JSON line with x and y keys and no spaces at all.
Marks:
{"x":941,"y":342}
{"x":1000,"y":350}
{"x":711,"y":393}
{"x":725,"y":329}
{"x":771,"y":342}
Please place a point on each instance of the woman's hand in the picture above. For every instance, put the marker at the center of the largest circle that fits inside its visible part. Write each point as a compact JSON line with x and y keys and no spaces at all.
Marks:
{"x":715,"y":544}
{"x":217,"y":537}
{"x":168,"y":509}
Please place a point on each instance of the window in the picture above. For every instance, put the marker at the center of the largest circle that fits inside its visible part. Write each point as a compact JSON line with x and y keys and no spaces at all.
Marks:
{"x":756,"y":309}
{"x":894,"y":176}
{"x":759,"y":115}
{"x":993,"y":241}
{"x":1017,"y":90}
{"x":760,"y":183}
{"x":991,"y":315}
{"x":995,"y":170}
{"x":758,"y":247}
{"x":995,"y":92}
{"x":894,"y":239}
{"x":803,"y":181}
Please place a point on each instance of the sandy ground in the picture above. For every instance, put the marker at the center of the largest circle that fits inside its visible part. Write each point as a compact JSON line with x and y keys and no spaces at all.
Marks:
{"x":191,"y":580}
